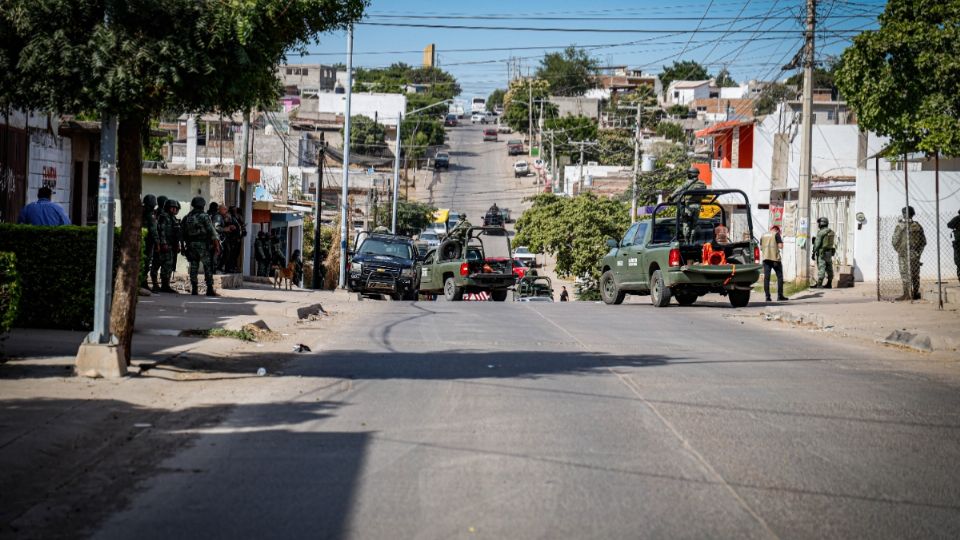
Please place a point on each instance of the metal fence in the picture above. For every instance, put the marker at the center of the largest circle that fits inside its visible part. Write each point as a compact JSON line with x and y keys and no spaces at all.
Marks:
{"x":891,"y":281}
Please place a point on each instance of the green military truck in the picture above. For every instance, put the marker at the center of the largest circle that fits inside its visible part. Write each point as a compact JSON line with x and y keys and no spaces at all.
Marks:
{"x":664,"y":256}
{"x":469,"y":260}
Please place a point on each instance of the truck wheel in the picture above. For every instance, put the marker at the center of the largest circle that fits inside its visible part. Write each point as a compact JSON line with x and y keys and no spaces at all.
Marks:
{"x":498,"y":296}
{"x":739,"y":298}
{"x":659,"y":292}
{"x":450,"y":290}
{"x":609,"y":291}
{"x":686,"y":298}
{"x":411,"y":295}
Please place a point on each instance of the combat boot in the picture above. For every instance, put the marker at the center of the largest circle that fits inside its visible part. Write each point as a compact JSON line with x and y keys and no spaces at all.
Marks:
{"x":211,"y":292}
{"x":166,"y":287}
{"x":155,"y":288}
{"x":829,"y":285}
{"x":193,"y":289}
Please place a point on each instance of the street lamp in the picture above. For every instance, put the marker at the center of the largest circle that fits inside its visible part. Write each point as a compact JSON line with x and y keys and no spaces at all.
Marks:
{"x":396,"y":162}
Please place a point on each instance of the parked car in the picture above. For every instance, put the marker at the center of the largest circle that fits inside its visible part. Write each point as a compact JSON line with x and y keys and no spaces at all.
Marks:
{"x":490,"y":134}
{"x":441,"y":161}
{"x":503,"y":128}
{"x":515,"y":147}
{"x":451,"y":120}
{"x":525,"y":256}
{"x":478,"y":118}
{"x":521,"y":168}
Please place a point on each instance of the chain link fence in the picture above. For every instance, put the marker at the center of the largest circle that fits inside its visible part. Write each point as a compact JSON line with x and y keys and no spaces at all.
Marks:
{"x":891,"y":278}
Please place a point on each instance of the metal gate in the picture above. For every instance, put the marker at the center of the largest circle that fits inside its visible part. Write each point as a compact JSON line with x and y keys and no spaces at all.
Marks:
{"x":838,"y":208}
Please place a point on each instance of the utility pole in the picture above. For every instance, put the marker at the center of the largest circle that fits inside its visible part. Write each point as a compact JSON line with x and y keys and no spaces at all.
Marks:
{"x":636,"y":159}
{"x":284,"y":173}
{"x":244,"y":167}
{"x":321,"y":157}
{"x":553,"y":165}
{"x":344,"y":215}
{"x":530,"y":111}
{"x":396,"y":178}
{"x":806,"y":147}
{"x":582,"y":145}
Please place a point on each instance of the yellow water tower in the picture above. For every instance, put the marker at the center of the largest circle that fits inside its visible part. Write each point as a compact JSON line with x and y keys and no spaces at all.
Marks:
{"x":429,"y":55}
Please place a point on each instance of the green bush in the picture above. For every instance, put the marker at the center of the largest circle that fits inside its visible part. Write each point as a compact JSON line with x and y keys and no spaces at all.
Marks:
{"x":57,"y":267}
{"x":9,"y":291}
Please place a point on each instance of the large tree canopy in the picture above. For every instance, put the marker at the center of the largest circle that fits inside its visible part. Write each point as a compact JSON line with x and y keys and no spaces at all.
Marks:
{"x":517,"y":99}
{"x":903,"y":80}
{"x":570,"y":73}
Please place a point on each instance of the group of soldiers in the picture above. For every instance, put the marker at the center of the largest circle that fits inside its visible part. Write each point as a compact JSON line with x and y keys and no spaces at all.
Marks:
{"x":209,"y":239}
{"x":268,"y":252}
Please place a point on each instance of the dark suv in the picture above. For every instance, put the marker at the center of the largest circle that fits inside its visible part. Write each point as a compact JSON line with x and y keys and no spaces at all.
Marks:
{"x":385,"y":264}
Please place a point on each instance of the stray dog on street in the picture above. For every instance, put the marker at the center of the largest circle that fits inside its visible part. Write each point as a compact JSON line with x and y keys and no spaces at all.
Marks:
{"x":283,"y":274}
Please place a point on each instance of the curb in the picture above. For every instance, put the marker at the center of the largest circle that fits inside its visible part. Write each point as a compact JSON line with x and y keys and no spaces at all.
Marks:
{"x":898,"y":338}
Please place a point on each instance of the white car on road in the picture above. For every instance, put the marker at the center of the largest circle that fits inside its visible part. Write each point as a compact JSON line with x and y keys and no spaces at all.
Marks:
{"x":521,"y":168}
{"x":524,"y":255}
{"x":478,"y":118}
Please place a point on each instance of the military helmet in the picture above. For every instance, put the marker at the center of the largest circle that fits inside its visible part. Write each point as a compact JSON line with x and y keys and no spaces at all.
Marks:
{"x":198,"y":203}
{"x":171,"y":203}
{"x":823,"y":222}
{"x":161,"y":200}
{"x":693,"y":173}
{"x":908,"y":212}
{"x":149,"y":201}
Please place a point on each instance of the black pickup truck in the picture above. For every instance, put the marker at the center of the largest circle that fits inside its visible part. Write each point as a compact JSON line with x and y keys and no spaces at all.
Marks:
{"x":385,"y":264}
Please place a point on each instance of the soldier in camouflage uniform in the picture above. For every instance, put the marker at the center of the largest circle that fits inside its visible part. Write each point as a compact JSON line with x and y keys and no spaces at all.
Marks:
{"x":169,"y":246}
{"x":261,"y":252}
{"x":152,"y":239}
{"x":909,"y":241}
{"x":824,"y":246}
{"x":955,"y":225}
{"x":201,"y":244}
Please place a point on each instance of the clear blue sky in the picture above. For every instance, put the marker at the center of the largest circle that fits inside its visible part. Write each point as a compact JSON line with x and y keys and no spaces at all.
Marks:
{"x":752,"y":39}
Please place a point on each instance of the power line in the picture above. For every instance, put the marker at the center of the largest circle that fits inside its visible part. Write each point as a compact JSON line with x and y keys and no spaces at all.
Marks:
{"x":577,"y":30}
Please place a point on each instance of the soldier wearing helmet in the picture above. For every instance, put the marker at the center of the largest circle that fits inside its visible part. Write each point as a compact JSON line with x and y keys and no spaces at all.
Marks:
{"x":169,"y":245}
{"x":954,"y":224}
{"x":824,"y":246}
{"x":153,"y":238}
{"x":909,"y":241}
{"x":201,"y":244}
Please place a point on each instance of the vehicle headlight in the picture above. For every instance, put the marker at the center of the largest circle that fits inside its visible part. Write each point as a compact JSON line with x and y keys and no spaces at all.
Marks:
{"x":406,"y":272}
{"x":356,"y":267}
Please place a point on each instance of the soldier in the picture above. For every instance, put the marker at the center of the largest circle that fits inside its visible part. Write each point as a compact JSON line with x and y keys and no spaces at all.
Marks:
{"x":153,"y":238}
{"x":909,"y":241}
{"x":297,"y":268}
{"x":690,"y":218}
{"x":169,"y":246}
{"x":460,"y":229}
{"x":202,"y":243}
{"x":955,"y":225}
{"x":261,"y":252}
{"x":237,"y":241}
{"x":154,"y":267}
{"x":824,"y":246}
{"x":276,"y":251}
{"x":229,"y":237}
{"x":218,"y":223}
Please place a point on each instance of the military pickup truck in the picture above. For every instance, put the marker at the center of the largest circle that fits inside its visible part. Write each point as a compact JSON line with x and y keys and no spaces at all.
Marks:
{"x":698,"y":242}
{"x":469,"y":260}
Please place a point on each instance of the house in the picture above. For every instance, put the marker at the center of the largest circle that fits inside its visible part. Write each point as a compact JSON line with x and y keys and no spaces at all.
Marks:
{"x":307,"y":80}
{"x":384,"y":108}
{"x":594,"y":177}
{"x":721,"y":109}
{"x":827,"y":108}
{"x":684,"y":92}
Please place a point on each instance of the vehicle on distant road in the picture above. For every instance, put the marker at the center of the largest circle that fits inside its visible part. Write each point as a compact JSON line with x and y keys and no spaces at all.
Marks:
{"x":521,"y":168}
{"x":533,"y":288}
{"x":489,"y":134}
{"x":525,"y":256}
{"x":451,"y":120}
{"x":426,"y":241}
{"x":478,"y":118}
{"x":515,"y":147}
{"x":441,"y":161}
{"x":385,"y":264}
{"x":679,"y":252}
{"x":477,"y":261}
{"x":503,"y":128}
{"x":478,"y":105}
{"x":452,"y":219}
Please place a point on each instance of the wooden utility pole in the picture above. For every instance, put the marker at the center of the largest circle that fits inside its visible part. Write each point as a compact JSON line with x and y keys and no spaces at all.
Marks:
{"x":321,"y":158}
{"x":806,"y":146}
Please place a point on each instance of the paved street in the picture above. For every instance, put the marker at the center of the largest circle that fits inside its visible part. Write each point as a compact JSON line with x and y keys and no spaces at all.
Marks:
{"x":457,"y":420}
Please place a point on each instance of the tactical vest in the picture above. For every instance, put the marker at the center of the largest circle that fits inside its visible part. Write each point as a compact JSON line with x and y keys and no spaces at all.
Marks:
{"x":769,"y":251}
{"x":827,"y":239}
{"x":193,"y":229}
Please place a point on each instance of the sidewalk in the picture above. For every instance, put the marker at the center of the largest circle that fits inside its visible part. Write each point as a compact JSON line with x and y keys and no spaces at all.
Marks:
{"x":72,"y":447}
{"x":856,"y":313}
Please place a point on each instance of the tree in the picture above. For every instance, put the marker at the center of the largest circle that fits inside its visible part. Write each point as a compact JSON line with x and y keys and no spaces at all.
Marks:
{"x":570,"y":73}
{"x":573,"y":128}
{"x":495,"y":99}
{"x":419,"y":132}
{"x":901,"y":79}
{"x":412,"y":216}
{"x":822,"y":78}
{"x":366,"y":136}
{"x":670,"y":172}
{"x":647,"y":98}
{"x":153,"y":56}
{"x":574,"y":230}
{"x":615,"y":147}
{"x":678,"y":110}
{"x":516,"y":102}
{"x":771,"y":95}
{"x":724,"y":80}
{"x":684,"y":70}
{"x":671,"y":131}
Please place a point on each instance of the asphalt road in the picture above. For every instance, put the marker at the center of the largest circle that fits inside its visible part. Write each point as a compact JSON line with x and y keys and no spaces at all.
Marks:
{"x":572,"y":420}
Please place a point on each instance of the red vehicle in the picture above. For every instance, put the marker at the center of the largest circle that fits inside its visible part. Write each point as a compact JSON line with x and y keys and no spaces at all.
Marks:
{"x":519,"y":269}
{"x":490,"y":134}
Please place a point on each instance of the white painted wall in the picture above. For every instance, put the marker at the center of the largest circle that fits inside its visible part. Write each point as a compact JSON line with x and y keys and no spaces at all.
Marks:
{"x":384,"y":106}
{"x":735,"y":92}
{"x":571,"y":175}
{"x":51,"y":164}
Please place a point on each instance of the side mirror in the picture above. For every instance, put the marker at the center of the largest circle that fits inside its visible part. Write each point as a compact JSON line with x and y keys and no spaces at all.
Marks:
{"x":612,"y":244}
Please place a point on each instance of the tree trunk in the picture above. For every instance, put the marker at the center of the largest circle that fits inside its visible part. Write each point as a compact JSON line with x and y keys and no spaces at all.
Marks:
{"x":126,"y":284}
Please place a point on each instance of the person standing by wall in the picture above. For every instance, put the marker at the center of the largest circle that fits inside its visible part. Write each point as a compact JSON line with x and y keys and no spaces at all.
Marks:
{"x":43,"y":211}
{"x":909,"y":241}
{"x":955,"y":225}
{"x":824,"y":246}
{"x":771,"y":244}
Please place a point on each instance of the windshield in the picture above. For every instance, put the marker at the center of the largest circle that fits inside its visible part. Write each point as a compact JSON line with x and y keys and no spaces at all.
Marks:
{"x":372,"y":246}
{"x":428,"y":236}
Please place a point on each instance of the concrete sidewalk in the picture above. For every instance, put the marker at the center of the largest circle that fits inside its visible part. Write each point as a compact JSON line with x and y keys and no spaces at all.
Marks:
{"x":856,"y":313}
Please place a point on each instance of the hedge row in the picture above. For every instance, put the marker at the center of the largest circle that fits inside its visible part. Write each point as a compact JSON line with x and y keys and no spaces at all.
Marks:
{"x":9,"y":291}
{"x":57,"y":266}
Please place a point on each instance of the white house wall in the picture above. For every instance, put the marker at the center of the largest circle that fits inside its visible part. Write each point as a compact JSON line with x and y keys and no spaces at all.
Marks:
{"x":384,"y":107}
{"x":51,"y":164}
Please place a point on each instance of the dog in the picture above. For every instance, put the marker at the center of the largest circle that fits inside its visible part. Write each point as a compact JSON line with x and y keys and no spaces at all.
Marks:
{"x":282,"y":274}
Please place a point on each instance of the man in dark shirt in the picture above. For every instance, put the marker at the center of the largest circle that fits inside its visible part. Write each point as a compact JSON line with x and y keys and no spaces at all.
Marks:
{"x":43,"y":211}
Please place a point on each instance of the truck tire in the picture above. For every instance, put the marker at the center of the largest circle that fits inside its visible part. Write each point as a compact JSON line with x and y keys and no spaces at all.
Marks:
{"x":451,"y":291}
{"x":739,"y":298}
{"x":498,"y":296}
{"x":686,"y":298}
{"x":659,"y":292}
{"x":609,"y":292}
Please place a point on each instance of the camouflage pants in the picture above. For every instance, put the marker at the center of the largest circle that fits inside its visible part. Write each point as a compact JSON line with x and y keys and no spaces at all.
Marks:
{"x":168,"y":263}
{"x":150,"y":260}
{"x":201,"y":254}
{"x":825,"y":266}
{"x":956,"y":257}
{"x":910,"y":274}
{"x":263,"y":268}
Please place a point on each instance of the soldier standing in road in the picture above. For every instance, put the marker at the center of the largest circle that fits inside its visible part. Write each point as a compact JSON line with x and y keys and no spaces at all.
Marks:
{"x":771,"y":244}
{"x":955,"y":225}
{"x":909,"y":241}
{"x":824,"y":246}
{"x":169,"y":245}
{"x":202,"y":243}
{"x":153,"y":239}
